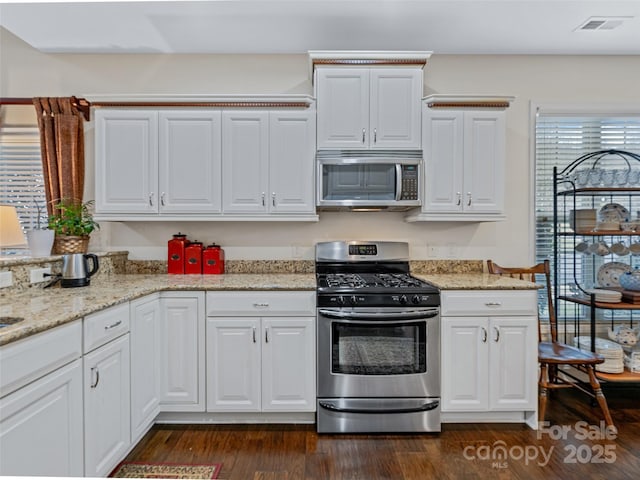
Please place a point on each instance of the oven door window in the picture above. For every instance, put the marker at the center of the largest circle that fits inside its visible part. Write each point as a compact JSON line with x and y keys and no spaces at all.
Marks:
{"x":359,"y":182}
{"x":372,"y":349}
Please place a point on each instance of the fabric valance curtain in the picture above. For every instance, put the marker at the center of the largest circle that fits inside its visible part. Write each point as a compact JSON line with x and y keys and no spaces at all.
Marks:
{"x":62,"y":149}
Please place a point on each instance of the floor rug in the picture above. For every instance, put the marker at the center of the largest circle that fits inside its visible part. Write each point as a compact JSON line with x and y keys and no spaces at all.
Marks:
{"x":165,"y":470}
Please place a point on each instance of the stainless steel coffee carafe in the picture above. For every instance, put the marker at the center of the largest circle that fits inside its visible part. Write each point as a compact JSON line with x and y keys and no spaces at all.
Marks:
{"x":75,"y":269}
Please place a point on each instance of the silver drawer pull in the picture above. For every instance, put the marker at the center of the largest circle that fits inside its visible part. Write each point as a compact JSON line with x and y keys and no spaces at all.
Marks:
{"x":261,"y":305}
{"x":113,"y":325}
{"x":493,"y":304}
{"x":95,"y":384}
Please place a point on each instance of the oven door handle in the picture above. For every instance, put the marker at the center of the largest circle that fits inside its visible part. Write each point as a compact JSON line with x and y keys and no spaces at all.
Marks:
{"x":403,"y":315}
{"x":422,"y":408}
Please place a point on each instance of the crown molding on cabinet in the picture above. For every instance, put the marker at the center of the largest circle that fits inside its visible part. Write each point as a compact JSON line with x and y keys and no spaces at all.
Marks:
{"x":468,"y":101}
{"x":206,"y":101}
{"x":356,"y":58}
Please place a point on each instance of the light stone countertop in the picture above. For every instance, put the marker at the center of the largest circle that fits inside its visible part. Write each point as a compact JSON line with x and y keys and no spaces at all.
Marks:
{"x":475,"y":281}
{"x":43,"y":309}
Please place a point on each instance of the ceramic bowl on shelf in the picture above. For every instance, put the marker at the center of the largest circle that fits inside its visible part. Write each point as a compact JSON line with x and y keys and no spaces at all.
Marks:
{"x":630,"y":280}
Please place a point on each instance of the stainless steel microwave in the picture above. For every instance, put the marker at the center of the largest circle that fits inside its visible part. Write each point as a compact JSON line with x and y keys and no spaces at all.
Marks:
{"x":369,"y":180}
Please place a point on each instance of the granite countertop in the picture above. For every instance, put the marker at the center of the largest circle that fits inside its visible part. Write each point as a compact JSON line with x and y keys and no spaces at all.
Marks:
{"x":43,"y":309}
{"x":476,"y":281}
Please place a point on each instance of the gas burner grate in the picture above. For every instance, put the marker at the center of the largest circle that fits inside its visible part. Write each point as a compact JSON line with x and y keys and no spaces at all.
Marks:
{"x":364,"y":280}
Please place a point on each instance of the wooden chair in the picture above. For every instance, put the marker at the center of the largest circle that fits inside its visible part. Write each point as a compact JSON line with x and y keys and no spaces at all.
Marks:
{"x":553,"y":354}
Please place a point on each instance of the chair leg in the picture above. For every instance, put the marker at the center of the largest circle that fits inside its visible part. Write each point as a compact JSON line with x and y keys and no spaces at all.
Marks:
{"x":602,"y":401}
{"x":543,"y":392}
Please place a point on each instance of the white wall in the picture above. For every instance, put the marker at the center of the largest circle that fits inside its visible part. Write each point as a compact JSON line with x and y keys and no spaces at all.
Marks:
{"x":25,"y":72}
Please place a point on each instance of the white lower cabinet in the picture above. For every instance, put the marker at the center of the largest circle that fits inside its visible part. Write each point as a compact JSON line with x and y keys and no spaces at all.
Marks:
{"x":260,"y":363}
{"x":107,"y":397}
{"x":41,"y":423}
{"x":489,"y":356}
{"x":182,"y":352}
{"x":145,"y":363}
{"x":41,"y":426}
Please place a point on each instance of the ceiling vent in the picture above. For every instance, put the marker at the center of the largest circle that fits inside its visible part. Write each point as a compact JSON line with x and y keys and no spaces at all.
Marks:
{"x":602,"y":23}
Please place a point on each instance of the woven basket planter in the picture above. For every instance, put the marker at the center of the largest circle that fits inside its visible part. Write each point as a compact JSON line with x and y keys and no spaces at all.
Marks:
{"x":70,"y":244}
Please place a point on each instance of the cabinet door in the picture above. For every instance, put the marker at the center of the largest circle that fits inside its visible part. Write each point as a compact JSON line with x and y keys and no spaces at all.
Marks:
{"x":233,"y":362}
{"x":145,"y":364}
{"x":395,"y":108}
{"x":484,"y":161}
{"x":190,"y":161}
{"x":245,"y":154}
{"x":41,"y":426}
{"x":513,"y":363}
{"x":465,"y":367}
{"x":106,"y":407}
{"x":182,"y":346}
{"x":126,"y":170}
{"x":288,"y":364}
{"x":291,"y":162}
{"x":443,"y":156}
{"x":343,"y":107}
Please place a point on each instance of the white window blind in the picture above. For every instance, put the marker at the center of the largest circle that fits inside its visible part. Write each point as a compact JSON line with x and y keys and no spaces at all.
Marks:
{"x":559,"y":140}
{"x":21,"y":178}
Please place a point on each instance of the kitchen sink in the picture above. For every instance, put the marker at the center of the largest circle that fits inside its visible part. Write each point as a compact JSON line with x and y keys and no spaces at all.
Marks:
{"x":8,"y":321}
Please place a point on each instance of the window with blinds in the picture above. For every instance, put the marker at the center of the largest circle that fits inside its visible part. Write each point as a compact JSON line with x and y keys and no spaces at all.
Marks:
{"x":559,"y":140}
{"x":21,"y":178}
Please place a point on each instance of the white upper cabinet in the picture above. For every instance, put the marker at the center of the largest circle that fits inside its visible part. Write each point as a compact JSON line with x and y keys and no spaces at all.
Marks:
{"x":199,"y":163}
{"x":151,"y":162}
{"x":126,"y":161}
{"x":464,"y":159}
{"x":268,"y":162}
{"x":246,"y":152}
{"x":369,"y":108}
{"x":189,"y":160}
{"x":292,"y":140}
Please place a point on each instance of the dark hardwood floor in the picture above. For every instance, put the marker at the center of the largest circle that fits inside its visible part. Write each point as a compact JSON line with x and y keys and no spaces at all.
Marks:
{"x":460,"y":451}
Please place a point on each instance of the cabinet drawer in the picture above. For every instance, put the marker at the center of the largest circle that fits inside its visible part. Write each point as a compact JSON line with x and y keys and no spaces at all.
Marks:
{"x":260,"y":303}
{"x":26,"y":360}
{"x":103,"y":326}
{"x":489,"y":302}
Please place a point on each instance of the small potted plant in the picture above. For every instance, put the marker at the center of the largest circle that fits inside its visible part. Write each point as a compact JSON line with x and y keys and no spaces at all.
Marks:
{"x":40,"y":238}
{"x":73,"y":223}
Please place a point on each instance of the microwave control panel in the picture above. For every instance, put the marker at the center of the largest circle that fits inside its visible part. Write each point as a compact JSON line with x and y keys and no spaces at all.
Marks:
{"x":409,"y":182}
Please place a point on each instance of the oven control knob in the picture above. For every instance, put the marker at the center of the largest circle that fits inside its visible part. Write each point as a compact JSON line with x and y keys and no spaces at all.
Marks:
{"x":415,"y":299}
{"x":403,"y":299}
{"x":341,"y":300}
{"x":353,"y":299}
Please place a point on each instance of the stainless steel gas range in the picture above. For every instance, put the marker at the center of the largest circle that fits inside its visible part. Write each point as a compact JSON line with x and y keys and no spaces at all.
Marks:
{"x":378,"y":342}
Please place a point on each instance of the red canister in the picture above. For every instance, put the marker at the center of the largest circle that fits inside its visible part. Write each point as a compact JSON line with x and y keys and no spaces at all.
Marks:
{"x":175,"y":253}
{"x":213,"y":260}
{"x":193,"y":258}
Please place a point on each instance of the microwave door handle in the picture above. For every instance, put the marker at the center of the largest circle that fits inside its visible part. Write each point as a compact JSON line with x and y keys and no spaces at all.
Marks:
{"x":398,"y":181}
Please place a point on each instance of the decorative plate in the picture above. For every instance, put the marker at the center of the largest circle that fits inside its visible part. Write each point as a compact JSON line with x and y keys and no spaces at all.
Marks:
{"x":609,"y":273}
{"x":613,"y":212}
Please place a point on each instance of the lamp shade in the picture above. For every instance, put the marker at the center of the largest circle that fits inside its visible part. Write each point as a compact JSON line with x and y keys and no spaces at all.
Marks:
{"x":10,"y":231}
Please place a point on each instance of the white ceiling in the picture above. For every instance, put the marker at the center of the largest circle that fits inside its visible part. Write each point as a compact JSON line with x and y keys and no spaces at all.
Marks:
{"x":296,"y":26}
